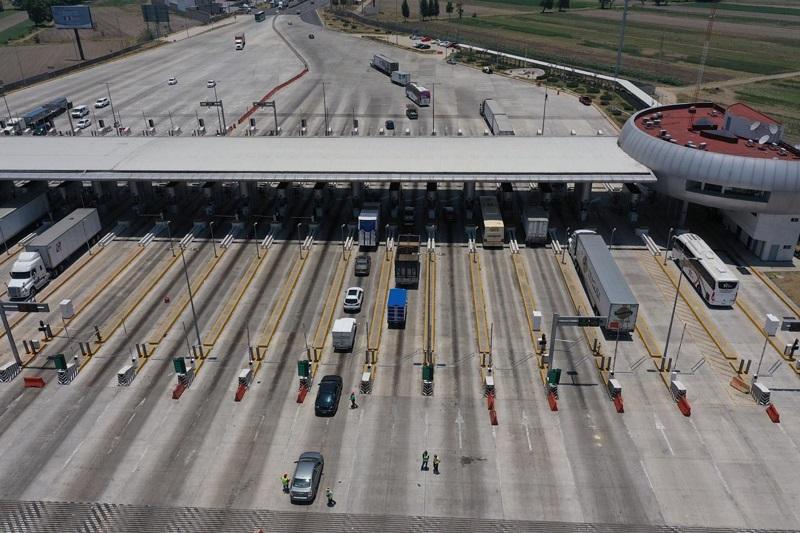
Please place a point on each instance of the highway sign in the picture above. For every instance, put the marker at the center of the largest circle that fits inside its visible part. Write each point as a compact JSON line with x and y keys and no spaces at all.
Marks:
{"x":211,"y":103}
{"x":25,"y":307}
{"x":72,"y":17}
{"x":591,"y":321}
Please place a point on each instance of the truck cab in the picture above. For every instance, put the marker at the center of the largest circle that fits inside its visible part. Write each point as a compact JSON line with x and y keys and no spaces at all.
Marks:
{"x":28,"y":275}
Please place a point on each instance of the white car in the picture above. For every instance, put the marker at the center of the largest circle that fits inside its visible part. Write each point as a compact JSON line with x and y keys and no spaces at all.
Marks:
{"x":79,"y":111}
{"x":172,"y":81}
{"x":84,"y":123}
{"x":211,"y":84}
{"x":102,"y":102}
{"x":353,"y":299}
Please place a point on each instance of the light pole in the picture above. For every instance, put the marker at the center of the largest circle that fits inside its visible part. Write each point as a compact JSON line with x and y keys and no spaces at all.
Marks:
{"x":3,"y":89}
{"x":669,"y":245}
{"x":169,"y":236}
{"x":191,"y":301}
{"x":255,"y":239}
{"x":325,"y":108}
{"x":85,"y":236}
{"x":111,"y":102}
{"x":299,"y":240}
{"x":612,"y":236}
{"x":216,"y":100}
{"x":433,"y":106}
{"x":674,"y":306}
{"x":5,"y":243}
{"x":544,"y":110}
{"x":343,"y":225}
{"x":621,"y":39}
{"x":213,"y":242}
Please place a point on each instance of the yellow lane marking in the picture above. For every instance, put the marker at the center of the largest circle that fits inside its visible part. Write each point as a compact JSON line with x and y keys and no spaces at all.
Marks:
{"x":379,"y":310}
{"x":529,"y":303}
{"x":430,"y":305}
{"x":326,"y":318}
{"x":478,"y":303}
{"x":275,"y":317}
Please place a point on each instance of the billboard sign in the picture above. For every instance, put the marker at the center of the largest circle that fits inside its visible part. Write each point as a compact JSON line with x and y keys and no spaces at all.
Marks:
{"x":155,"y":13}
{"x":72,"y":17}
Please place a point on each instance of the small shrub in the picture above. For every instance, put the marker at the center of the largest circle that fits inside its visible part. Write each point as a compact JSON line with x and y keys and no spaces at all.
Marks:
{"x":616,"y":112}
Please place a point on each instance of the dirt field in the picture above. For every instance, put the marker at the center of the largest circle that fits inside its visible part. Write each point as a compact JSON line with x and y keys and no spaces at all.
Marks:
{"x":50,"y":49}
{"x":789,"y":282}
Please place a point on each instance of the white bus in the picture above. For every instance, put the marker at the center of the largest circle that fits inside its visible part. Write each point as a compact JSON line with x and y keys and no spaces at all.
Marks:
{"x":493,"y":229}
{"x":710,"y":276}
{"x":418,"y":94}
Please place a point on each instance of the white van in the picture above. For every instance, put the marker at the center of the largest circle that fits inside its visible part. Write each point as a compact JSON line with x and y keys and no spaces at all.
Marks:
{"x":79,"y":111}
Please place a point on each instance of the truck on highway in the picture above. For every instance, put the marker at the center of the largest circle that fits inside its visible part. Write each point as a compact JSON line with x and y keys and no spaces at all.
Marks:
{"x":20,"y":213}
{"x":401,"y":78}
{"x":406,"y":261}
{"x":397,"y":308}
{"x":608,"y":291}
{"x":368,"y":225}
{"x":46,"y":255}
{"x":344,"y":334}
{"x":493,"y":227}
{"x":239,"y":41}
{"x":535,"y":221}
{"x":496,"y":117}
{"x":384,"y":64}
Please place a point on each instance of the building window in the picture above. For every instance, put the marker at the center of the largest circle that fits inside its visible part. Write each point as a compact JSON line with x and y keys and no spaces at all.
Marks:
{"x":795,"y":219}
{"x":787,"y":246}
{"x":712,"y":188}
{"x":734,"y":193}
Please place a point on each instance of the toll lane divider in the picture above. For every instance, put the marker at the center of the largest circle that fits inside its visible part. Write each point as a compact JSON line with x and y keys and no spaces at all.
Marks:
{"x":326,"y":318}
{"x":748,"y":311}
{"x":230,"y":306}
{"x":429,"y":318}
{"x":478,"y":304}
{"x":529,"y":303}
{"x":379,"y":309}
{"x":279,"y":309}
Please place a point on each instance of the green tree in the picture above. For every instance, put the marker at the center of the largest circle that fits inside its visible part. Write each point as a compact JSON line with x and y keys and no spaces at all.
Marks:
{"x":449,"y":8}
{"x":435,"y":8}
{"x":546,"y":4}
{"x":460,"y":9}
{"x":606,"y":4}
{"x":38,"y":11}
{"x":563,"y":5}
{"x":406,"y":11}
{"x":423,"y":9}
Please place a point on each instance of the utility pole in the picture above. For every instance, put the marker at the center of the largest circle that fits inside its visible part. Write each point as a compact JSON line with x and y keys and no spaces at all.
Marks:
{"x":621,"y":39}
{"x":325,"y":107}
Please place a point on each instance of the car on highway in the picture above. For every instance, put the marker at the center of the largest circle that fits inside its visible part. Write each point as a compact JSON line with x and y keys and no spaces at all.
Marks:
{"x":307,"y":475}
{"x":101,"y":102}
{"x":487,"y":70}
{"x":422,"y":46}
{"x":362,"y":265}
{"x":411,"y":112}
{"x":390,"y":124}
{"x":585,"y":100}
{"x":79,"y":111}
{"x":451,"y":61}
{"x":353,"y":299}
{"x":44,"y":129}
{"x":211,"y":84}
{"x":328,"y":394}
{"x":310,"y":35}
{"x":426,"y":39}
{"x":172,"y":81}
{"x":84,"y":123}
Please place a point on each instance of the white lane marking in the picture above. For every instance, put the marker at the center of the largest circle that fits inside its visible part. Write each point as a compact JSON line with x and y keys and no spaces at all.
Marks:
{"x":649,"y":481}
{"x":69,"y":459}
{"x":460,"y":423}
{"x":139,"y":462}
{"x":660,"y":427}
{"x":527,"y":430}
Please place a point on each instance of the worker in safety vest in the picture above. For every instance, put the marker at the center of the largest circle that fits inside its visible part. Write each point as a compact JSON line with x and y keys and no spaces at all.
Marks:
{"x":425,"y":460}
{"x":285,"y":482}
{"x":329,"y":495}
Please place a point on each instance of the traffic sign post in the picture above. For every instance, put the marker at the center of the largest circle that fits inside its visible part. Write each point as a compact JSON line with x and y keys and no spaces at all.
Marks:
{"x":270,"y":103}
{"x":22,"y":307}
{"x":580,"y":321}
{"x":217,"y":103}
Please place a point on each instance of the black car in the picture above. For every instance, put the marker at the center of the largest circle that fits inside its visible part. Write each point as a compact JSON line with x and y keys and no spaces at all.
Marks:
{"x":412,"y":114}
{"x":390,"y":124}
{"x":362,"y":265}
{"x":330,"y":389}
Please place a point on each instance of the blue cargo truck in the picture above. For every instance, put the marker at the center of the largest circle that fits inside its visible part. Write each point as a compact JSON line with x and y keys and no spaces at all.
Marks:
{"x":397,"y":307}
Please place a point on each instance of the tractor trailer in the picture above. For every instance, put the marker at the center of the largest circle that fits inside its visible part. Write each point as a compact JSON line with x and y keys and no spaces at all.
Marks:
{"x":368,"y":224}
{"x":608,"y":291}
{"x":20,"y":213}
{"x":46,"y":255}
{"x":406,"y":261}
{"x":384,"y":64}
{"x":496,"y":118}
{"x":535,"y":221}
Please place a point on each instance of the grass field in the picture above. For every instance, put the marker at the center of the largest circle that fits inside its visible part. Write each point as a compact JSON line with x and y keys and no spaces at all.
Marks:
{"x":748,"y":8}
{"x":16,"y":32}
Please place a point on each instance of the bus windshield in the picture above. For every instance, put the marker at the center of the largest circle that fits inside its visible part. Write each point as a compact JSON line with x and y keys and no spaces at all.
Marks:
{"x":727,"y":285}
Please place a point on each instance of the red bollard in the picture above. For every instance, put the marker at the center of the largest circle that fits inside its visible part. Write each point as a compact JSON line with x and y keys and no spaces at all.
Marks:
{"x":166,"y":299}
{"x":683,"y":405}
{"x":618,"y":403}
{"x":178,"y":391}
{"x":490,"y":401}
{"x":301,"y":394}
{"x":240,"y":393}
{"x":493,"y":417}
{"x":773,"y":414}
{"x":553,"y":401}
{"x":33,"y":382}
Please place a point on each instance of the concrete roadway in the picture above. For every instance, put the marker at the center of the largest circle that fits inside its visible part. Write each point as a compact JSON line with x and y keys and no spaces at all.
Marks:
{"x":139,"y":90}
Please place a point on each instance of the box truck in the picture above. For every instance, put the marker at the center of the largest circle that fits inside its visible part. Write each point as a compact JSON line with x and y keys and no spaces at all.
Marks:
{"x":406,"y":261}
{"x":368,"y":224}
{"x":401,"y":78}
{"x":496,"y":118}
{"x":20,"y":213}
{"x":535,"y":221}
{"x":384,"y":64}
{"x":46,"y":255}
{"x":239,"y":41}
{"x":344,"y":334}
{"x":397,"y":308}
{"x":608,"y":291}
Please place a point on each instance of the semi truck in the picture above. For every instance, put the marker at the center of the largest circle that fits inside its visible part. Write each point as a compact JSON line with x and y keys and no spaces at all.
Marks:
{"x":344,"y":334}
{"x":368,"y":224}
{"x":239,"y":41}
{"x":384,"y":64}
{"x":397,"y":308}
{"x":535,"y":221}
{"x":496,"y":117}
{"x":46,"y":255}
{"x":406,"y":261}
{"x":401,"y":78}
{"x":20,"y":213}
{"x":608,"y":291}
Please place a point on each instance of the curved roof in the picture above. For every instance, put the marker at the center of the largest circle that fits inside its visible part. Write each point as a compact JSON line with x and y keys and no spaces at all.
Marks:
{"x":671,"y":160}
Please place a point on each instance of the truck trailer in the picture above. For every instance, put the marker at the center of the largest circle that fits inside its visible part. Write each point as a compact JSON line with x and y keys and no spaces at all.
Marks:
{"x":239,"y":41}
{"x":401,"y":78}
{"x":45,"y":256}
{"x":20,"y":213}
{"x":344,"y":334}
{"x":608,"y":291}
{"x":406,"y":261}
{"x":384,"y":64}
{"x":368,"y":224}
{"x":535,"y":221}
{"x":496,"y":118}
{"x":397,"y":308}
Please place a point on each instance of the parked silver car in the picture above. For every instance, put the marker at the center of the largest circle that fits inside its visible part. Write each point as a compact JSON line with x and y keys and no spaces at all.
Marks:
{"x":307,"y":474}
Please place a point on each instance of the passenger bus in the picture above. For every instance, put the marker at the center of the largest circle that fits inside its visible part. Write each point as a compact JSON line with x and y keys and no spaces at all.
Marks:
{"x":493,"y":229}
{"x":710,"y":276}
{"x":260,"y":16}
{"x":418,"y":94}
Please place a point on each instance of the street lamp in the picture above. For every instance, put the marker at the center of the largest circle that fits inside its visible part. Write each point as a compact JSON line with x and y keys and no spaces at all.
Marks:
{"x":612,"y":237}
{"x":255,"y":239}
{"x":213,"y":243}
{"x":111,"y":102}
{"x":674,"y":306}
{"x":3,"y":89}
{"x":169,"y":236}
{"x":191,"y":301}
{"x":343,"y":225}
{"x":5,"y":243}
{"x":669,"y":245}
{"x":299,"y":240}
